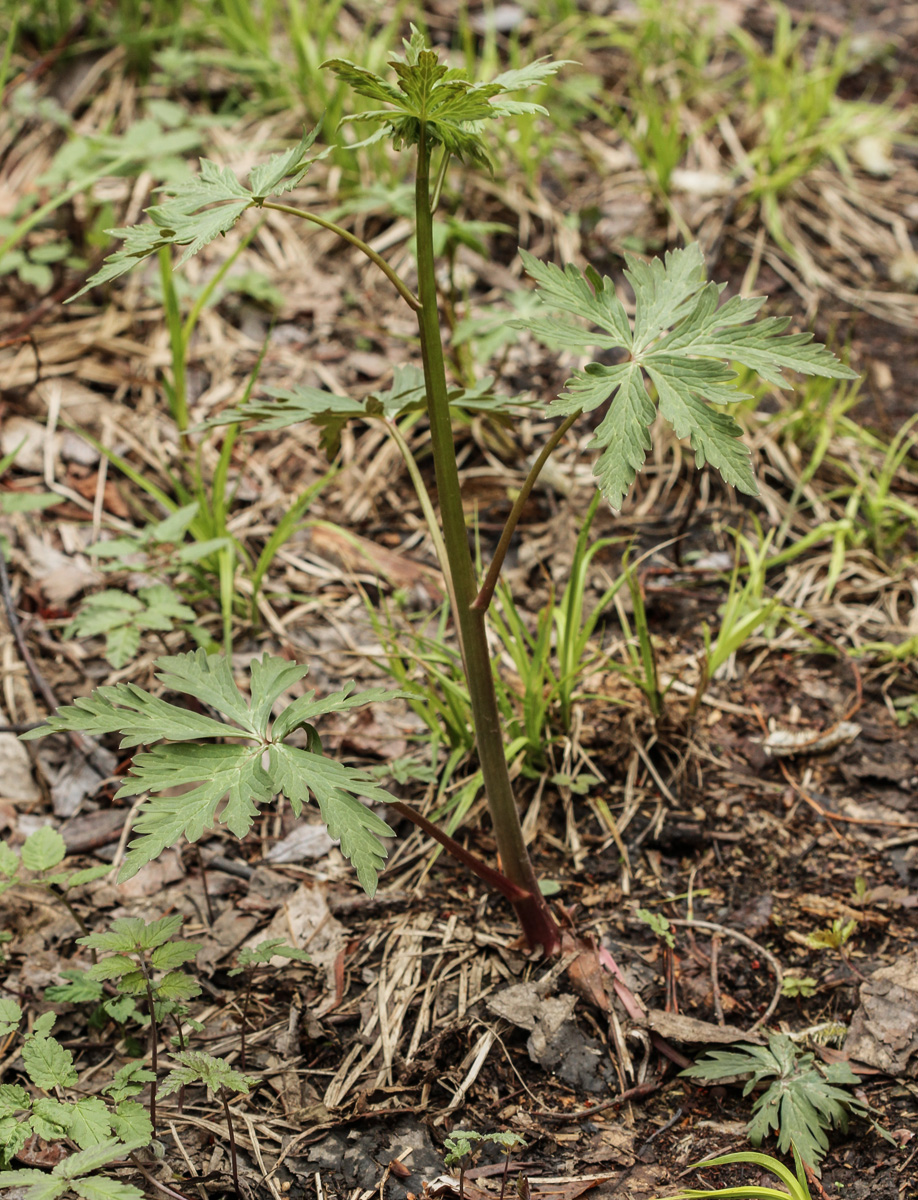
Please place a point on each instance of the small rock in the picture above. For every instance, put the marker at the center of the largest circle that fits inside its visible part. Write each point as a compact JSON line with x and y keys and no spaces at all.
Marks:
{"x":76,"y":450}
{"x":33,"y":436}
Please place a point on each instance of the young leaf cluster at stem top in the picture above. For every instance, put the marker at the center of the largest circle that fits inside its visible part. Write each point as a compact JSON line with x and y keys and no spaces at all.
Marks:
{"x":237,"y":773}
{"x":439,"y":102}
{"x":683,"y":343}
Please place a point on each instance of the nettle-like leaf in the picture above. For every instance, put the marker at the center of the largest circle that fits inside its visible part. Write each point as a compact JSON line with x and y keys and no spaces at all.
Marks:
{"x":129,"y":1080}
{"x":203,"y":208}
{"x":43,"y":850}
{"x":46,"y":1061}
{"x":130,"y":1121}
{"x":133,"y":935}
{"x":123,"y":618}
{"x":442,"y":100}
{"x":224,"y":782}
{"x":197,"y":1067}
{"x":459,"y":1145}
{"x":10,"y":1015}
{"x":680,"y":341}
{"x":803,"y":1101}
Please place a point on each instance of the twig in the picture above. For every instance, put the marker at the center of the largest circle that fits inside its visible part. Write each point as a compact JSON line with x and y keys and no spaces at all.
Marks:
{"x":715,"y":982}
{"x":677,"y":1116}
{"x":85,"y":745}
{"x":580,"y":1114}
{"x":162,"y":1187}
{"x":772,"y":961}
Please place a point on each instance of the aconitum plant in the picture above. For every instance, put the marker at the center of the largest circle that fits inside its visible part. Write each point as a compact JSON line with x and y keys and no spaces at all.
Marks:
{"x":676,"y":357}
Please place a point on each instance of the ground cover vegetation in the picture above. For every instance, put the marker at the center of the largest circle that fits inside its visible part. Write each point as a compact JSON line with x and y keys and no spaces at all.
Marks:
{"x":334,"y":448}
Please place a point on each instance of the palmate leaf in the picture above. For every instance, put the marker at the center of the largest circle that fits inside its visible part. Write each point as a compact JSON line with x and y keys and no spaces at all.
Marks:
{"x":441,"y":100}
{"x":222,"y":782}
{"x":680,"y":341}
{"x":284,"y":407}
{"x":803,"y":1100}
{"x":202,"y":209}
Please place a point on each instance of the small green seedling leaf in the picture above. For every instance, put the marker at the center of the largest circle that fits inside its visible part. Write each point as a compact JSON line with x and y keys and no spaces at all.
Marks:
{"x":129,"y":1081}
{"x":459,"y":1145}
{"x":659,"y":924}
{"x":10,"y":1015}
{"x":834,"y":936}
{"x":683,"y":344}
{"x":123,"y":618}
{"x":264,"y":952}
{"x":798,"y":986}
{"x":43,"y":850}
{"x":197,"y":1067}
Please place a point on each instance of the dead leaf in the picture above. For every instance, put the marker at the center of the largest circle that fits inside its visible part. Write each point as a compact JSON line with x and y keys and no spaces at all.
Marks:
{"x":678,"y":1028}
{"x":884,"y":1029}
{"x":153,"y":877}
{"x":358,"y":553}
{"x":16,"y":781}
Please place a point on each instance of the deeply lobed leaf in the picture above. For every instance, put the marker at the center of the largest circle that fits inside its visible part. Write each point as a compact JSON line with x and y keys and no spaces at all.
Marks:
{"x":202,"y":209}
{"x":227,"y":782}
{"x":680,"y":341}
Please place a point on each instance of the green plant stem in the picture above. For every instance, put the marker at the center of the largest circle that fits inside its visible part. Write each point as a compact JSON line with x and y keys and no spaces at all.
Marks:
{"x":483,"y":600}
{"x":395,"y":279}
{"x":538,"y":925}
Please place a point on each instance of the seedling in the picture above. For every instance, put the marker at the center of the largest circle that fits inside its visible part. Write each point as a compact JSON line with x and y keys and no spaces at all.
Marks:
{"x":88,"y":1122}
{"x":42,"y":852}
{"x":836,"y":937}
{"x":464,"y":1144}
{"x":250,"y":962}
{"x":659,"y":925}
{"x":223,"y":1081}
{"x":145,"y":961}
{"x":798,"y":987}
{"x":680,"y":344}
{"x":76,"y":1174}
{"x":803,"y":1100}
{"x":123,"y":618}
